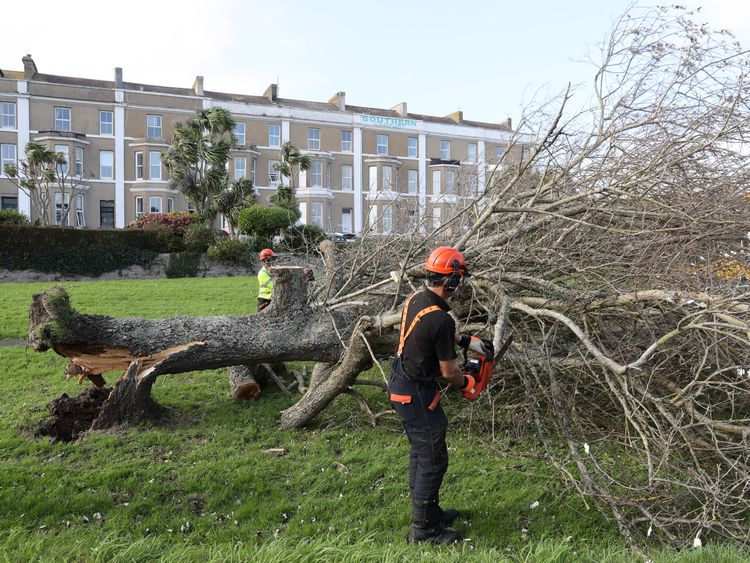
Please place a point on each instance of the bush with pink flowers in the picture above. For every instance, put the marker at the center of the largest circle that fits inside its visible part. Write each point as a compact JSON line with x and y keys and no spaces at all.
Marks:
{"x":177,"y":221}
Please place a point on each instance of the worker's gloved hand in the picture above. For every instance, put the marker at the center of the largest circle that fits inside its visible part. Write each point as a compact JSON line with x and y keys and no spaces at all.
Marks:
{"x":478,"y":345}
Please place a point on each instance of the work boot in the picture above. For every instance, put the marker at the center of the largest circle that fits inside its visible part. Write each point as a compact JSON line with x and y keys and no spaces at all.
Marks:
{"x":448,"y":516}
{"x":435,"y":535}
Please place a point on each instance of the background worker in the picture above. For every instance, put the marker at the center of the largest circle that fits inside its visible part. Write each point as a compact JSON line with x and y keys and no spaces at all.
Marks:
{"x":427,"y":351}
{"x":265,"y":281}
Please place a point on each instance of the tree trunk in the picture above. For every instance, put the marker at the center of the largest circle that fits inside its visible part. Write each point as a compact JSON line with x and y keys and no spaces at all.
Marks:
{"x":242,"y":383}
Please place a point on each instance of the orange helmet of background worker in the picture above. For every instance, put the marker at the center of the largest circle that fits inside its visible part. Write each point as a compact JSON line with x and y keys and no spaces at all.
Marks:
{"x":267,"y":254}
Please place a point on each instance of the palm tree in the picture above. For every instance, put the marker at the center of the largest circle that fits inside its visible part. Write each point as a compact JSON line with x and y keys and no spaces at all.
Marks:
{"x":230,"y":202}
{"x":197,"y":159}
{"x":292,"y":162}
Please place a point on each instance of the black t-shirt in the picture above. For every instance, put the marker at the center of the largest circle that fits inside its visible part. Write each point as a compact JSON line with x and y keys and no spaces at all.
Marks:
{"x":431,"y":340}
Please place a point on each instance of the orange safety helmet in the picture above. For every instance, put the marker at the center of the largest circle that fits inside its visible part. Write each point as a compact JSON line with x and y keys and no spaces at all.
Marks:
{"x":267,"y":253}
{"x":447,"y":261}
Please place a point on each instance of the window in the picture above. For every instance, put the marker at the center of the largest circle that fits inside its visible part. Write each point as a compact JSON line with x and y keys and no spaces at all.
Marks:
{"x":7,"y":115}
{"x":346,"y":177}
{"x":346,"y":141}
{"x":372,"y":218}
{"x":387,"y":220}
{"x":329,"y":166}
{"x":80,"y":216}
{"x":7,"y":156}
{"x":138,"y":207}
{"x":79,"y":162}
{"x":62,"y":159}
{"x":170,"y":204}
{"x":317,"y":214}
{"x":500,"y":152}
{"x":139,"y":166}
{"x":106,"y":165}
{"x":313,"y":139}
{"x":154,"y":204}
{"x":274,"y":136}
{"x":62,"y":119}
{"x":106,"y":214}
{"x":473,"y":183}
{"x":62,"y":202}
{"x":412,"y":181}
{"x":328,"y":217}
{"x":525,"y":151}
{"x":239,"y":133}
{"x":450,"y":177}
{"x":411,"y":147}
{"x":387,"y":177}
{"x":253,"y":162}
{"x":106,"y":122}
{"x":317,"y":173}
{"x":154,"y":165}
{"x":381,"y":144}
{"x":153,"y":126}
{"x":436,"y":181}
{"x":240,"y":167}
{"x":9,"y":202}
{"x":436,"y":217}
{"x":273,"y":173}
{"x":373,"y":178}
{"x":445,"y":150}
{"x":472,"y":152}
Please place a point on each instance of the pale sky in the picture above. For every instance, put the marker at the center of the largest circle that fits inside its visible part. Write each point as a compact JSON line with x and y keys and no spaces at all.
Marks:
{"x":486,"y":58}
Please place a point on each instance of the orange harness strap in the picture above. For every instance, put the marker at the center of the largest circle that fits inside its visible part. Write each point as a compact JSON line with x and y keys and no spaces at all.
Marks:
{"x":422,"y":313}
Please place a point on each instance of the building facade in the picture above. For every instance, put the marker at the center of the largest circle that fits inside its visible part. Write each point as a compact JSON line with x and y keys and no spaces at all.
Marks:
{"x":380,"y":169}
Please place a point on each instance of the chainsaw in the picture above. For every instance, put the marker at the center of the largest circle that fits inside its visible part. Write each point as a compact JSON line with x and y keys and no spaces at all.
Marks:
{"x":480,"y":368}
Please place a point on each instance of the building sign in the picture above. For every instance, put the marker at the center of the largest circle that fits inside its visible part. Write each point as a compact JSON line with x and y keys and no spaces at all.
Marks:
{"x":392,"y":122}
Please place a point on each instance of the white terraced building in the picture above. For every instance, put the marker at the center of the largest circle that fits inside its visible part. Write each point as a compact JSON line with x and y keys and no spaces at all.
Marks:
{"x":384,"y":168}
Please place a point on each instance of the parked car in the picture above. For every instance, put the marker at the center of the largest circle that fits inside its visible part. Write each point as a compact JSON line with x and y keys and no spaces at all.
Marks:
{"x":343,"y":237}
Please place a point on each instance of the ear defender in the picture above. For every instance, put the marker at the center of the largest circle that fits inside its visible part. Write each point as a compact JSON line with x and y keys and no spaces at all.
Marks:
{"x":452,"y":281}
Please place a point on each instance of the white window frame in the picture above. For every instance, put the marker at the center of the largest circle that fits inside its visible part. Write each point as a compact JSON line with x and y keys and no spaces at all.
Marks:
{"x":170,"y":204}
{"x":346,"y":141}
{"x":388,"y":178}
{"x":7,"y":115}
{"x":62,"y":119}
{"x":436,"y":181}
{"x":372,"y":218}
{"x":329,"y":168}
{"x":274,"y":135}
{"x":381,"y":143}
{"x":412,"y":148}
{"x":240,"y":167}
{"x":313,"y":139}
{"x":106,"y":127}
{"x":412,"y":181}
{"x":473,"y":182}
{"x":445,"y":150}
{"x":151,"y":201}
{"x":153,"y":126}
{"x":154,"y":165}
{"x":437,"y":219}
{"x":347,"y":177}
{"x":8,"y":155}
{"x":80,"y":207}
{"x":253,"y":166}
{"x":139,"y":165}
{"x":274,"y":176}
{"x":387,"y":220}
{"x":373,"y":177}
{"x":62,"y":208}
{"x":471,"y":152}
{"x":106,"y":165}
{"x":316,"y":173}
{"x":138,"y":206}
{"x":450,"y":181}
{"x":63,"y":169}
{"x":328,"y":217}
{"x":79,"y":162}
{"x":316,"y":214}
{"x":239,"y":133}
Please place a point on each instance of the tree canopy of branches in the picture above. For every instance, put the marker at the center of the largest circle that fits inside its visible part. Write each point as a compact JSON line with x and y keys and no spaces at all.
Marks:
{"x":40,"y":175}
{"x":600,"y":250}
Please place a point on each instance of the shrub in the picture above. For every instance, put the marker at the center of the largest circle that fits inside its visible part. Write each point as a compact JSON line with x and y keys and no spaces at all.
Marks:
{"x":168,"y":242}
{"x":234,"y":251}
{"x":183,"y":265}
{"x":264,"y":222}
{"x":198,"y":238}
{"x":177,"y":221}
{"x":303,"y":238}
{"x":74,"y":251}
{"x":12,"y":217}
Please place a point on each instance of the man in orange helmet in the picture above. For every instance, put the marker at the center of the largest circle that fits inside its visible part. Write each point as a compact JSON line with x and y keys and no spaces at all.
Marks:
{"x":427,"y":350}
{"x":265,"y":281}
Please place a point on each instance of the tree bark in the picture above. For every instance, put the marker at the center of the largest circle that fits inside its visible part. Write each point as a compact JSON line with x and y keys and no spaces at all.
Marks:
{"x":242,"y":383}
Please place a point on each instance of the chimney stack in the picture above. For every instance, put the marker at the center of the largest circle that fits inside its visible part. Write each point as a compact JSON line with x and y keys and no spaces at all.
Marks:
{"x":29,"y":67}
{"x":509,"y":124}
{"x":272,"y":92}
{"x":118,"y":78}
{"x":400,"y":109}
{"x":339,"y":100}
{"x":198,"y":85}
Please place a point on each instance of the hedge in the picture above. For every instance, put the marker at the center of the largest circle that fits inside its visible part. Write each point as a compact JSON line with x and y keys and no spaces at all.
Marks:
{"x":73,"y":251}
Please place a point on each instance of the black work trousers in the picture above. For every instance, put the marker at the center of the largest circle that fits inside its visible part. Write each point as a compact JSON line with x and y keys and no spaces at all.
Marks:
{"x":426,"y":424}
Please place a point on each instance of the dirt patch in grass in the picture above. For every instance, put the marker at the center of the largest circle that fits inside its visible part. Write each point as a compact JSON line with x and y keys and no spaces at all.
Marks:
{"x":71,"y":416}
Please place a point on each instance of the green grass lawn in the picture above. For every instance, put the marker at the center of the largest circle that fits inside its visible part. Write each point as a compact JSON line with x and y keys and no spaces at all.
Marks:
{"x":200,"y":485}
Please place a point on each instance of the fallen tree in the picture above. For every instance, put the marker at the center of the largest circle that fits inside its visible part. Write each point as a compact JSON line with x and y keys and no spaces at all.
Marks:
{"x":615,"y":251}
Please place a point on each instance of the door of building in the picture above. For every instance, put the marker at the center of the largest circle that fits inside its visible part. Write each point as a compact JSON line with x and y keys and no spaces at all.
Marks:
{"x":346,"y":220}
{"x":106,"y":214}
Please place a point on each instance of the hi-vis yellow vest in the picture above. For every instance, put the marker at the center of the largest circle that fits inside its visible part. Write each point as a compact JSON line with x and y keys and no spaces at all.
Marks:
{"x":265,"y":284}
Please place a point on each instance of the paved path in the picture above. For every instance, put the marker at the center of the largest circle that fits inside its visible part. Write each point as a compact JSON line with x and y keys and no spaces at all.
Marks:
{"x":12,"y":342}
